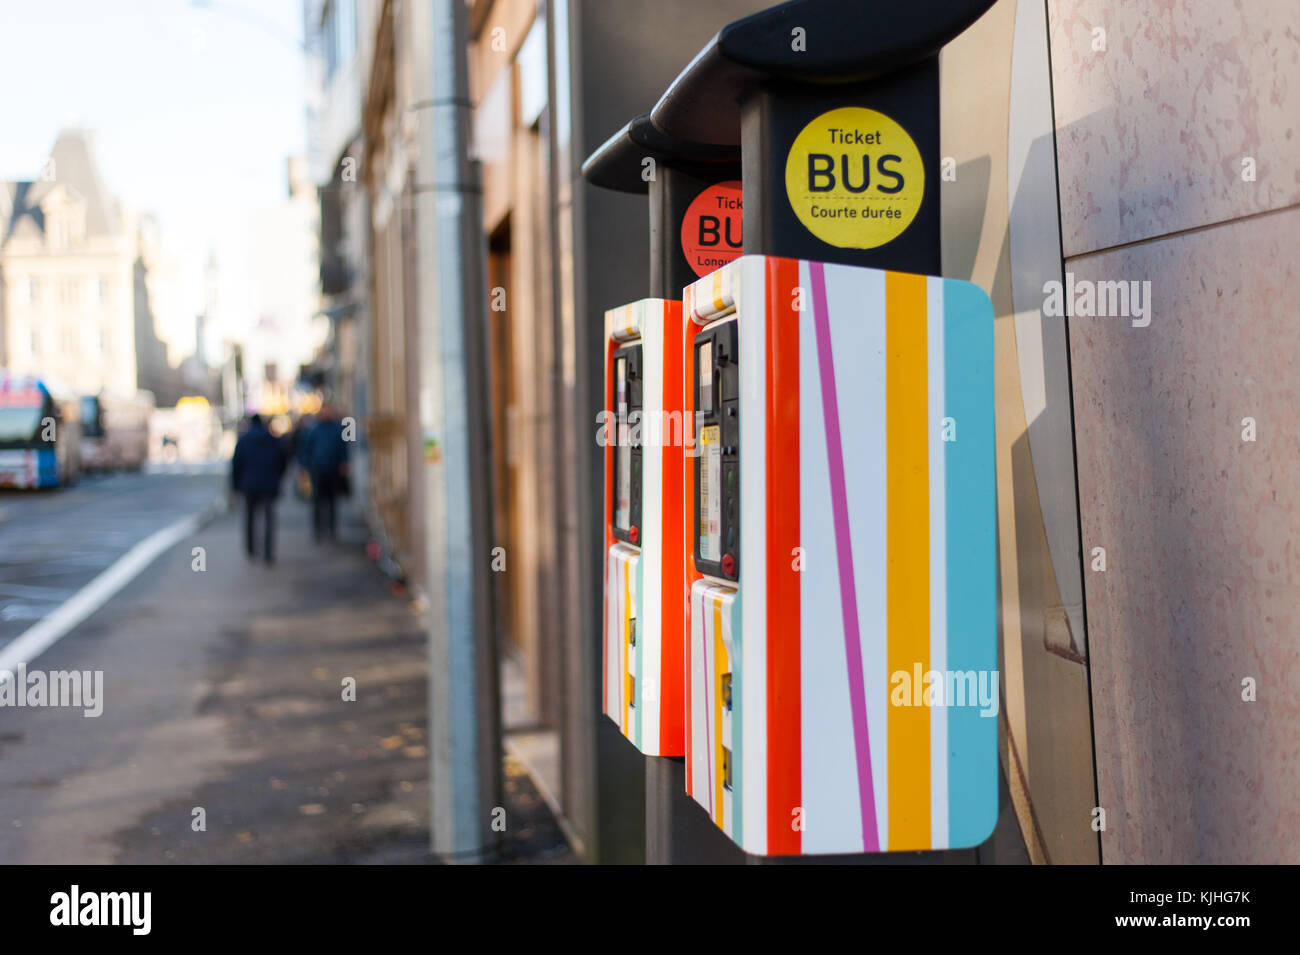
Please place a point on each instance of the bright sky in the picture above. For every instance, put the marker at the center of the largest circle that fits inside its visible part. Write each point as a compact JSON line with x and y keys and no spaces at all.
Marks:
{"x":195,"y":106}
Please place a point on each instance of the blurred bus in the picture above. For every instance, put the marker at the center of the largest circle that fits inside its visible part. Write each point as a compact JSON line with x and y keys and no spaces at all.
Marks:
{"x":40,"y":433}
{"x":115,"y":431}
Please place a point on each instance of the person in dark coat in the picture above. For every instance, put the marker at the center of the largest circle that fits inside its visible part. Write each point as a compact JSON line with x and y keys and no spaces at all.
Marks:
{"x":298,"y":452}
{"x":299,"y":443}
{"x":255,"y":471}
{"x":327,"y":461}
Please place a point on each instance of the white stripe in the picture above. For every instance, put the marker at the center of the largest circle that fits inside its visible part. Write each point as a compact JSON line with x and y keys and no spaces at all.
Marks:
{"x":699,"y":754}
{"x":938,"y":562}
{"x":650,"y":601}
{"x":615,"y":595}
{"x":711,"y":705}
{"x":37,"y":639}
{"x":832,"y":816}
{"x":616,"y":636}
{"x":629,"y":659}
{"x":751,"y":316}
{"x":609,"y":631}
{"x":621,"y":669}
{"x":726,"y":602}
{"x":856,"y":300}
{"x":621,"y":560}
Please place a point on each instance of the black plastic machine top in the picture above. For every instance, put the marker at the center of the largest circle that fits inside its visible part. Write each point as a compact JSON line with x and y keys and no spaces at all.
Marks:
{"x":842,"y":41}
{"x":619,"y":163}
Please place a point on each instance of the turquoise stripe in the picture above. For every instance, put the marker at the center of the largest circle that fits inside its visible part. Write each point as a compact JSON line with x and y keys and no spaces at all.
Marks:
{"x":971,"y":512}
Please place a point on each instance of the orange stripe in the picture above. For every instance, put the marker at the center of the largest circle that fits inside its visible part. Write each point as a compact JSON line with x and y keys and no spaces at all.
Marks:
{"x":784,"y":756}
{"x":673,"y":572}
{"x":908,"y":588}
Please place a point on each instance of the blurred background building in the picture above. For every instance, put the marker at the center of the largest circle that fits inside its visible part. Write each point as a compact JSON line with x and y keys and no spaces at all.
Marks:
{"x":68,"y":262}
{"x":285,"y":324}
{"x":88,"y":293}
{"x":341,"y":364}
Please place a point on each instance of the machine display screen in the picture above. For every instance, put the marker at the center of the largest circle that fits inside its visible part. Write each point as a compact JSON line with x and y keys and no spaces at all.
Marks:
{"x":625,"y":506}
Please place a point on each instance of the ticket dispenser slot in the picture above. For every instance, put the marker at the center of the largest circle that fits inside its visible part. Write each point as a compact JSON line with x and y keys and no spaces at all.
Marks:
{"x":628,"y":415}
{"x":717,"y":441}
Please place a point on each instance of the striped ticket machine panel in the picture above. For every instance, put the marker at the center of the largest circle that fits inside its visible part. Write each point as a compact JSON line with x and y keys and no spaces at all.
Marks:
{"x":643,"y":664}
{"x":842,"y":682}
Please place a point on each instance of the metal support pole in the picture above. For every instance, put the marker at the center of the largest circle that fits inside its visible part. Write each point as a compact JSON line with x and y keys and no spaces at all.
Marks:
{"x":677,"y":830}
{"x":464,"y":712}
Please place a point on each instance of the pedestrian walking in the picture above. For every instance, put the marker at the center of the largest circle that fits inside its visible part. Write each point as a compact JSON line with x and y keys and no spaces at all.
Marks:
{"x":298,"y":450}
{"x":255,"y":472}
{"x":327,"y":457}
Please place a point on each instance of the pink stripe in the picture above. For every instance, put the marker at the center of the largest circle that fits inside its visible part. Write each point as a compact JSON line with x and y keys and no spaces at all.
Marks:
{"x":844,"y":554}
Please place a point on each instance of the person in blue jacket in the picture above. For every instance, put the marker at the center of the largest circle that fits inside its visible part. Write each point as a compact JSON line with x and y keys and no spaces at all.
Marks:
{"x":327,"y":460}
{"x":255,"y":472}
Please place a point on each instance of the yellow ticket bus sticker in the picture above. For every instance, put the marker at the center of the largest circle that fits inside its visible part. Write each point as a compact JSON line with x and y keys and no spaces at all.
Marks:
{"x":854,"y":178}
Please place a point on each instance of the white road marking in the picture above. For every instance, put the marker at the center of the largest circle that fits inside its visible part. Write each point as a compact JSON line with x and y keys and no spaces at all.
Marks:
{"x":37,"y":639}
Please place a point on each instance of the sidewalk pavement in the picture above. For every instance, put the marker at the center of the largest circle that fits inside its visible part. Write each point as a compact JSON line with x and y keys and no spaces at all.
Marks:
{"x":223,"y":692}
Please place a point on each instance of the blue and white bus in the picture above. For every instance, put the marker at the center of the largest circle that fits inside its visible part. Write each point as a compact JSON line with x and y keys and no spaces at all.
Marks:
{"x":40,"y":433}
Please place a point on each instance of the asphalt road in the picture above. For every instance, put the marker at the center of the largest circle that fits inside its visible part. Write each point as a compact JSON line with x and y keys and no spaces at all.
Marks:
{"x":52,"y":543}
{"x":224,"y":736}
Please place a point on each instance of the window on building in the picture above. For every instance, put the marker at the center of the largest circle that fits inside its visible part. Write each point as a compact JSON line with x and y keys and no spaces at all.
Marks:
{"x":101,"y":290}
{"x":32,"y":290}
{"x":493,"y":120}
{"x":531,"y":62}
{"x":96,"y":340}
{"x":33,"y":343}
{"x":339,"y":35}
{"x":68,"y":340}
{"x":69,"y":291}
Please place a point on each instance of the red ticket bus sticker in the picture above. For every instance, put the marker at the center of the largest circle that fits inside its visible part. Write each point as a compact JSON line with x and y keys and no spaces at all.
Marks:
{"x":711,"y":228}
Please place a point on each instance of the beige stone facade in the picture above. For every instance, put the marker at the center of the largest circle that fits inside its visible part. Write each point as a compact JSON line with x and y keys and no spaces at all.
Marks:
{"x":67,"y":264}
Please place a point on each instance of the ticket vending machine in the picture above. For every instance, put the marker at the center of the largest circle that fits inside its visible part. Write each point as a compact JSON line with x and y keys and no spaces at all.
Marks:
{"x":842,"y":688}
{"x":642,"y":650}
{"x":695,"y":225}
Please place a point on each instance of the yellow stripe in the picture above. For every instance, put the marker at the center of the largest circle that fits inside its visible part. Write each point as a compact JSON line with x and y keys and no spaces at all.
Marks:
{"x":909,"y":554}
{"x":720,"y":666}
{"x":718,"y":303}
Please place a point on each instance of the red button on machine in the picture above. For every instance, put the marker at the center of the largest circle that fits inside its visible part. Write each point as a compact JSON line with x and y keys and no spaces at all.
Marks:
{"x":728,"y":564}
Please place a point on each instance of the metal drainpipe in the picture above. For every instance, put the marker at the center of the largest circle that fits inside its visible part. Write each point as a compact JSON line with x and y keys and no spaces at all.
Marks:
{"x":464,"y":712}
